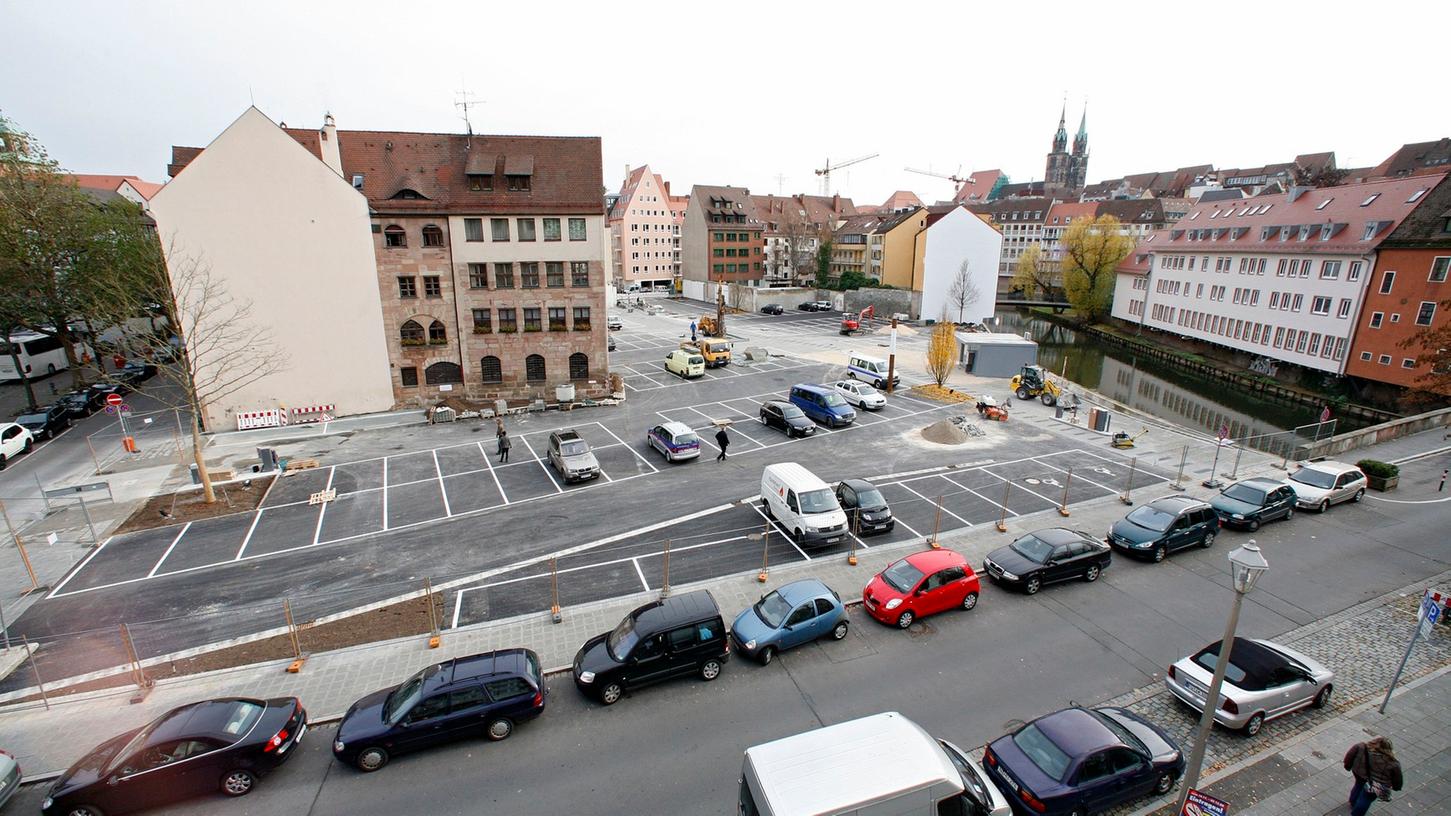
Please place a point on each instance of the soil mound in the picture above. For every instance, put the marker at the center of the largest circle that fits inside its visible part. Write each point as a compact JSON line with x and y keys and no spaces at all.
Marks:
{"x":944,"y":432}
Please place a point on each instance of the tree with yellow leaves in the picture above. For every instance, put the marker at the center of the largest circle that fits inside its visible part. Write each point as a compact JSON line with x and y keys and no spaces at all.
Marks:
{"x":1092,"y":250}
{"x":941,"y":352}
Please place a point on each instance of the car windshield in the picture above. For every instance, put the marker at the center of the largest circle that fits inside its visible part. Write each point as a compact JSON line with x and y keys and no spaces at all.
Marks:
{"x":868,"y":499}
{"x":902,"y":576}
{"x":576,"y":448}
{"x":971,"y":782}
{"x":1313,"y":477}
{"x":833,"y":399}
{"x":792,"y":412}
{"x":697,"y":360}
{"x":1152,"y":518}
{"x":1044,"y":753}
{"x":1209,"y":661}
{"x":403,"y":698}
{"x":1033,"y":548}
{"x":772,"y":610}
{"x":30,"y":418}
{"x":1125,"y":736}
{"x":818,"y":501}
{"x":1245,"y":493}
{"x":623,"y":639}
{"x":866,"y":390}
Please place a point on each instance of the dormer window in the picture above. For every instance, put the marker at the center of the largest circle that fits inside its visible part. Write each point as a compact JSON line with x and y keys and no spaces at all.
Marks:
{"x":518,"y":171}
{"x":518,"y":184}
{"x":1322,"y":205}
{"x":1326,"y":231}
{"x":358,"y":181}
{"x":1370,"y":199}
{"x":1304,"y":232}
{"x":1416,"y":196}
{"x":481,"y":183}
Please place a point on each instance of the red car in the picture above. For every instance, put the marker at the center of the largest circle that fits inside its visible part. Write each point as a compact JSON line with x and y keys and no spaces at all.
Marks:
{"x":921,"y":584}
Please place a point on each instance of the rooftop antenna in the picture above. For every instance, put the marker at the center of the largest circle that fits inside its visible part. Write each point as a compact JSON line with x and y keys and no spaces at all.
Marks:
{"x":780,"y":182}
{"x":465,"y":100}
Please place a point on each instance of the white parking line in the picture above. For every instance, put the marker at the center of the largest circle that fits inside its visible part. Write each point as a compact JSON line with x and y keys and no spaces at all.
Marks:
{"x":385,"y":493}
{"x":543,"y":466}
{"x":789,"y":540}
{"x":79,"y":567}
{"x":1080,"y":477}
{"x":442,"y":491}
{"x":904,"y":486}
{"x":317,"y":532}
{"x":1023,"y":488}
{"x":184,"y":528}
{"x":490,"y":466}
{"x":642,"y":459}
{"x":996,"y":504}
{"x":641,"y":573}
{"x":248,"y":537}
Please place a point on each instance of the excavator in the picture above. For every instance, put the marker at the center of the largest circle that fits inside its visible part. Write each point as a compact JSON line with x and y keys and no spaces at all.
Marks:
{"x":852,"y":321}
{"x":1033,"y":383}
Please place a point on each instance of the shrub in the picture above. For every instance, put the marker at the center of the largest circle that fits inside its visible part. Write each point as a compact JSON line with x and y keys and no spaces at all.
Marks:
{"x":1378,"y":469}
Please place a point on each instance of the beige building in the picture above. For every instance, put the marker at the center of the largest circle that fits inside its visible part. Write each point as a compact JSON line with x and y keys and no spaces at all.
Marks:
{"x":645,"y":232}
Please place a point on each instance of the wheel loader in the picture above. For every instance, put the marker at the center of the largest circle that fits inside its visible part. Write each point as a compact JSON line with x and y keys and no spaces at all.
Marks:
{"x":1033,"y":383}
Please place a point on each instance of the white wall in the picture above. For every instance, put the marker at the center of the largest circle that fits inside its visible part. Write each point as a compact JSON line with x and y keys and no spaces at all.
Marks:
{"x":952,"y":238}
{"x":280,"y":229}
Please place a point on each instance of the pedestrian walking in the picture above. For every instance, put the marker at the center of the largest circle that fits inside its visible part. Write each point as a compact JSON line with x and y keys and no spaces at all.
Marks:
{"x":1376,"y":770}
{"x":499,"y":426}
{"x":723,"y":440}
{"x":504,"y":447}
{"x":692,"y":331}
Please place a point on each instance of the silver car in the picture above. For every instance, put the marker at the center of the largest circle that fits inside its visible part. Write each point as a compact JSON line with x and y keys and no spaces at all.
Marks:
{"x":9,"y":777}
{"x":1264,"y":680}
{"x":571,"y":456}
{"x":1318,"y":485}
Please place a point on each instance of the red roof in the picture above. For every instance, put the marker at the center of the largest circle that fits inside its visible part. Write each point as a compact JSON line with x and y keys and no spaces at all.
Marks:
{"x":1066,"y":212}
{"x":1137,"y":262}
{"x":978,"y":185}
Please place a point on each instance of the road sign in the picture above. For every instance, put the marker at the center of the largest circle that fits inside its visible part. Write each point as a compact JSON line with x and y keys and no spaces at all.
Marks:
{"x":113,"y":399}
{"x":73,"y":490}
{"x":1430,"y":612}
{"x":124,"y":408}
{"x":1201,"y":804}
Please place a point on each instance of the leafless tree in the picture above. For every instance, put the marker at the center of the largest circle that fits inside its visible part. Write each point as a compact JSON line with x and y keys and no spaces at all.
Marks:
{"x":963,"y":292}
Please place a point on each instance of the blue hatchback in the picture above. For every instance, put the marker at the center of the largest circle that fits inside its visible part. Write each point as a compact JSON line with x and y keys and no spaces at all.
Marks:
{"x":797,"y":613}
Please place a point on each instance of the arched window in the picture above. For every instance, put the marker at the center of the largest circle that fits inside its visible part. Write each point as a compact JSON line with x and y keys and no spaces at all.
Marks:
{"x":579,"y":366}
{"x":437,"y":334}
{"x":492,"y":369}
{"x":394,"y":236}
{"x":534,"y":368}
{"x":432,"y":236}
{"x":411,"y":333}
{"x":442,"y":373}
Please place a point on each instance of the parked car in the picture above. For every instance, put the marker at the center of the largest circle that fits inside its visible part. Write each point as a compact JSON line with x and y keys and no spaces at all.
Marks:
{"x":1083,"y":760}
{"x":224,"y":744}
{"x":685,"y":363}
{"x":1155,"y":529}
{"x":824,"y":306}
{"x":823,"y":405}
{"x":136,"y":371}
{"x":99,"y":391}
{"x":1045,"y":556}
{"x":1252,"y":502}
{"x":793,"y":614}
{"x":866,"y":509}
{"x":78,"y":404}
{"x":479,"y":695}
{"x":772,"y":309}
{"x":9,"y":776}
{"x":611,"y":344}
{"x":15,"y":439}
{"x":919,"y":585}
{"x":788,"y":418}
{"x":675,"y":441}
{"x":1320,"y":484}
{"x":683,"y":634}
{"x":801,"y":505}
{"x":1264,"y":680}
{"x":808,"y":306}
{"x":46,"y":421}
{"x":860,"y":394}
{"x":614,"y":323}
{"x":571,"y":457}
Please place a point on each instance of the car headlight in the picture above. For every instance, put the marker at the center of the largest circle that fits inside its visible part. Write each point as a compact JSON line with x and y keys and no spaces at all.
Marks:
{"x":894,"y":603}
{"x":1144,"y":545}
{"x":751,"y":644}
{"x":47,"y":803}
{"x":1239,"y":516}
{"x":1009,"y":575}
{"x":339,"y":745}
{"x":587,"y":677}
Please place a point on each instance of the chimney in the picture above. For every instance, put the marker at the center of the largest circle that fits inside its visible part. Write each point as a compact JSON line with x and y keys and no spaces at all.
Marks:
{"x":836,"y":202}
{"x":1295,"y":193}
{"x":331,"y":156}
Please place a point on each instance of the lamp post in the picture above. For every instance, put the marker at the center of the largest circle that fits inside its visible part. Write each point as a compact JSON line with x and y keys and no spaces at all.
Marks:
{"x":1247,"y":564}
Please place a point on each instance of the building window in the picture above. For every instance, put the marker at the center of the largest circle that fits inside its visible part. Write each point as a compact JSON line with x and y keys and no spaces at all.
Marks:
{"x":491,"y":369}
{"x":432,"y":286}
{"x":518,"y":184}
{"x":576,"y":229}
{"x":479,"y":182}
{"x":500,"y":228}
{"x":1344,"y":308}
{"x":1376,"y":318}
{"x":503,"y":276}
{"x":1330,"y":269}
{"x":409,"y":376}
{"x":1385,"y":359}
{"x":581,"y":318}
{"x":554,"y":274}
{"x":432,"y":236}
{"x":1387,"y":282}
{"x":551,"y":229}
{"x":482,"y":323}
{"x":478,"y":276}
{"x":534,"y":368}
{"x":407,"y":286}
{"x":1298,"y":302}
{"x":437,"y":334}
{"x":556,"y":319}
{"x":532,"y":322}
{"x":507,"y":323}
{"x":410,"y":333}
{"x":473,"y":229}
{"x":1408,"y":362}
{"x":1320,"y":305}
{"x":578,"y":366}
{"x":529,"y":275}
{"x":443,"y":374}
{"x":1355,"y":268}
{"x":579,"y":273}
{"x":1427,"y":313}
{"x":394,"y":236}
{"x":1439,"y":268}
{"x":526,"y":229}
{"x":1366,"y":356}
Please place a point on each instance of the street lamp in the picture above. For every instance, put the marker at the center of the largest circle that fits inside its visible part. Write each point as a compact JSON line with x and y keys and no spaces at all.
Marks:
{"x":1247,"y":564}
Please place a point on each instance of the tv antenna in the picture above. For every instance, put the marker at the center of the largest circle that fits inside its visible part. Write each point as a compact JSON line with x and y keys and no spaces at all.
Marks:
{"x":464,"y":102}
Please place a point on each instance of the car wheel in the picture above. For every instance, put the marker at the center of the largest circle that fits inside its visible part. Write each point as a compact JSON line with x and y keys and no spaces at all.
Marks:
{"x":1208,"y":541}
{"x":611,"y":694}
{"x":1048,"y":399}
{"x":1033,"y":585}
{"x":50,"y":368}
{"x":1359,"y":494}
{"x":1092,"y":573}
{"x":1324,"y":505}
{"x":1254,"y":725}
{"x":1024,"y":394}
{"x":905,"y":619}
{"x":83,"y":810}
{"x":29,"y":443}
{"x":1254,"y":524}
{"x":500,"y":729}
{"x":969,"y":602}
{"x":839,"y":633}
{"x":1289,"y":514}
{"x":371,"y":759}
{"x":796,"y":535}
{"x":3,"y":461}
{"x":709,"y":670}
{"x":765,"y":505}
{"x":1322,"y":699}
{"x":767,"y":655}
{"x":1159,"y":553}
{"x":239,"y":782}
{"x":1163,"y":784}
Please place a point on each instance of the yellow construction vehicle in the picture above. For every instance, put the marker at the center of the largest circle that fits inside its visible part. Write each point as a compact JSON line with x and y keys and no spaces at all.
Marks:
{"x":707,"y":326}
{"x":1123,"y":440}
{"x":1033,"y":383}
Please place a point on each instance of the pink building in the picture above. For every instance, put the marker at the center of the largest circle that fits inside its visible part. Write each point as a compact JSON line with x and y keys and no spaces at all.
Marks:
{"x":645,"y":232}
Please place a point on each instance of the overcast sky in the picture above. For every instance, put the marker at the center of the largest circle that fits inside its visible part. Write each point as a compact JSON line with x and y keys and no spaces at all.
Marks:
{"x":739,"y":93}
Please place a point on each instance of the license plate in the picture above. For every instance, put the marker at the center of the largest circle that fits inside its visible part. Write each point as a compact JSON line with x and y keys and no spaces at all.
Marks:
{"x":833,"y":539}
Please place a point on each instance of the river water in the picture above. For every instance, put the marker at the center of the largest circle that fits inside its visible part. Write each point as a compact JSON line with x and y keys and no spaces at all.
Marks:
{"x":1156,"y":389}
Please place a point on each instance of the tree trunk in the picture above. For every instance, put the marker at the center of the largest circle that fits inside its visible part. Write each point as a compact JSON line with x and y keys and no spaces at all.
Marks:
{"x":201,"y":464}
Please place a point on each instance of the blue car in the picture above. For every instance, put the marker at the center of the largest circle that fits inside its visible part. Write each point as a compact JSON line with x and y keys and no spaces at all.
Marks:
{"x":797,"y":613}
{"x":1082,"y":760}
{"x":823,"y":404}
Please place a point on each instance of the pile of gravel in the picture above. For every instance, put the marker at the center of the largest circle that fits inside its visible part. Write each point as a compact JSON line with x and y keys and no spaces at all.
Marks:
{"x":944,"y":432}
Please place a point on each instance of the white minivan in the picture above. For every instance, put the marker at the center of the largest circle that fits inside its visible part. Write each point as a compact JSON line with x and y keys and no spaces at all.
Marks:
{"x":870,"y":369}
{"x":803,"y":505}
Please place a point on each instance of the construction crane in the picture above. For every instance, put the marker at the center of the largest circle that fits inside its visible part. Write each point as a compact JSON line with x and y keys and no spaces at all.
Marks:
{"x":825,"y":172}
{"x":954,"y":178}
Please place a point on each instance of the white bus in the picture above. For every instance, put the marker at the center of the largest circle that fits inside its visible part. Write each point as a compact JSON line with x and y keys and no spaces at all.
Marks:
{"x":40,"y":355}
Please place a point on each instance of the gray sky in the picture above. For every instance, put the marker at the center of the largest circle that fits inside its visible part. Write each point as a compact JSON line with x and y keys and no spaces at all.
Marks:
{"x":738,"y":93}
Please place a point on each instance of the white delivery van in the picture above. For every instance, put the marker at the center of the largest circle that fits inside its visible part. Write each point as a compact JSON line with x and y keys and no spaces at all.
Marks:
{"x":804,"y":506}
{"x":820,"y":773}
{"x":870,"y":369}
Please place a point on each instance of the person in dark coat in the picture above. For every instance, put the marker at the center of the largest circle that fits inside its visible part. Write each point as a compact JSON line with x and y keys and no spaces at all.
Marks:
{"x":724,"y":441}
{"x":1376,"y":771}
{"x":504,"y":447}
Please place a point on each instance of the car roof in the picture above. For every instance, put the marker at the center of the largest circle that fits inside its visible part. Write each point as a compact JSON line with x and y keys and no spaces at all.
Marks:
{"x":781,"y":404}
{"x":814,"y":387}
{"x":568,"y":436}
{"x":676,"y":609}
{"x":676,"y":427}
{"x":479,"y":665}
{"x":1176,"y":504}
{"x":933,"y":560}
{"x":204,"y":719}
{"x":802,"y":590}
{"x":1057,"y":535}
{"x":1076,"y":731}
{"x":1329,"y":467}
{"x":1254,"y":658}
{"x":1262,"y":482}
{"x":858,"y":484}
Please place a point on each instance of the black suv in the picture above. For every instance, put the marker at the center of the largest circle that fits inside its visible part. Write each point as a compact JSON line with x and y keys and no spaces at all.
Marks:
{"x":1171,"y":523}
{"x":772,"y":309}
{"x":483,"y":694}
{"x":670,"y":638}
{"x":788,"y":418}
{"x":47,"y":421}
{"x":78,"y":404}
{"x":1252,"y":502}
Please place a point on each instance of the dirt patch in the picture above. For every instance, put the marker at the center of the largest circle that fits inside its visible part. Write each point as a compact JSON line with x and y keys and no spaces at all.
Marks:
{"x":944,"y":432}
{"x":941,"y":394}
{"x":189,"y":505}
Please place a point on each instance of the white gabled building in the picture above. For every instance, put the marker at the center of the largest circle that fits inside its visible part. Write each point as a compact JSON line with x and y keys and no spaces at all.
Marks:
{"x":954,"y":235}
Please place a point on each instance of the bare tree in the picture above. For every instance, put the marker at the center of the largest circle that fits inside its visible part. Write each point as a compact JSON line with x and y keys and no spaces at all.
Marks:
{"x":941,"y":352}
{"x":963,"y":292}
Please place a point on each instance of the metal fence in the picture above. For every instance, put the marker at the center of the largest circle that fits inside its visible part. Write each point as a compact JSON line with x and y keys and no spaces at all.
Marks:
{"x":139,"y":440}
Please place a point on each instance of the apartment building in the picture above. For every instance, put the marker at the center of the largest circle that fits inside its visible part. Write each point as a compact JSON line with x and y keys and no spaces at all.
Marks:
{"x":849,"y":248}
{"x":795,"y":227}
{"x":644,"y":232}
{"x":722,"y":241}
{"x":1022,"y":221}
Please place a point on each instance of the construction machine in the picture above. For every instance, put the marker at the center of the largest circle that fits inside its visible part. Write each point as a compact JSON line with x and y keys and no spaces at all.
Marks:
{"x":852,"y":321}
{"x":1124,"y":440}
{"x":1034,"y":383}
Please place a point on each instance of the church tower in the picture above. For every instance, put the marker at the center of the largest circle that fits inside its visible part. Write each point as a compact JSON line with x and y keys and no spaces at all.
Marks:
{"x":1056,"y":173}
{"x":1078,"y":162}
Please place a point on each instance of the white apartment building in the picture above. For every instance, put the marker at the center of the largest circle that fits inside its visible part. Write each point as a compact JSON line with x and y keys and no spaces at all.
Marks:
{"x":644,"y":232}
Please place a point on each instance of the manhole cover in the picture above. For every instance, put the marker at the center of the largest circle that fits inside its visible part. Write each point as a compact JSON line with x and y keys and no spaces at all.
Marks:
{"x":921,"y":629}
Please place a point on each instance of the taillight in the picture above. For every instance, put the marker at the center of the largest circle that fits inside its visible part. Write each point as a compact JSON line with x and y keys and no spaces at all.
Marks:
{"x":539,"y":698}
{"x":1172,"y":675}
{"x":276,"y":741}
{"x":989,"y":758}
{"x":1230,"y":706}
{"x":727,"y":645}
{"x":1031,"y":801}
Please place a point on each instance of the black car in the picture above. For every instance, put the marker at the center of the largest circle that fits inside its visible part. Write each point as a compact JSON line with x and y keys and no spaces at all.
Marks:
{"x":1045,"y":556}
{"x":1252,"y":502}
{"x":1163,"y":525}
{"x":136,"y":371}
{"x":47,"y":421}
{"x":216,"y":745}
{"x":772,"y":309}
{"x":681,"y":635}
{"x":480,"y":695}
{"x":865,"y":508}
{"x":808,"y":306}
{"x":99,"y":391}
{"x":788,"y":418}
{"x":78,"y":404}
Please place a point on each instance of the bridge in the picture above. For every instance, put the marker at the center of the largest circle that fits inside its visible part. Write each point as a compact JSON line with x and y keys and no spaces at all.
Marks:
{"x":1058,"y":306}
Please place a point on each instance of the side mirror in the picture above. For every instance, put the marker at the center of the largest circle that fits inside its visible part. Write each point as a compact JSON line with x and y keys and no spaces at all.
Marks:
{"x":113,"y":780}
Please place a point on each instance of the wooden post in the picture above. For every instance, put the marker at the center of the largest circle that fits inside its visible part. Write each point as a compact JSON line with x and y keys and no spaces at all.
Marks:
{"x":94,"y":459}
{"x":30,"y":656}
{"x":855,"y":535}
{"x":298,"y":658}
{"x":765,"y":554}
{"x":435,"y":638}
{"x":665,"y":589}
{"x":1003,"y":519}
{"x":936,"y":526}
{"x":20,"y":545}
{"x":1127,"y":496}
{"x":1063,"y":505}
{"x":554,"y":612}
{"x":138,"y":674}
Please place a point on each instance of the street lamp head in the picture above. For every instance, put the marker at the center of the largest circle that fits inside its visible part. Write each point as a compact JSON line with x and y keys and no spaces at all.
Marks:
{"x":1247,"y":564}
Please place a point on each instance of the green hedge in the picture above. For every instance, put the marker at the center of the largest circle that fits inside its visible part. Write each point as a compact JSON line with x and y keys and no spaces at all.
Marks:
{"x":1378,"y":469}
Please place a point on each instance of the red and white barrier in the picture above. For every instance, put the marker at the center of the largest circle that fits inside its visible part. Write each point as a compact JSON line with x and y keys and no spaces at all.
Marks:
{"x":324,"y":413}
{"x":246,"y":420}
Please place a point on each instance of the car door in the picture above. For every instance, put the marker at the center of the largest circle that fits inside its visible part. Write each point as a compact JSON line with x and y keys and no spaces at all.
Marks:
{"x":1277,"y":501}
{"x":199,"y":764}
{"x":797,"y":628}
{"x":425,"y":724}
{"x":10,"y":443}
{"x":772,"y":415}
{"x":512,"y":697}
{"x":1059,"y":564}
{"x":648,"y":662}
{"x":1290,"y":688}
{"x":1344,"y":487}
{"x":1179,"y":533}
{"x":848,"y":500}
{"x":469,"y":708}
{"x":151,"y":776}
{"x":825,"y":620}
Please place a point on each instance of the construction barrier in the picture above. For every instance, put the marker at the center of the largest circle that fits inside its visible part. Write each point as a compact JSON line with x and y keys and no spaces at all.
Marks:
{"x":275,"y":418}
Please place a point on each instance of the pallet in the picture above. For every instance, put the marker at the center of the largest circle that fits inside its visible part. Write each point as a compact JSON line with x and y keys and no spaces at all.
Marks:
{"x":301,"y":464}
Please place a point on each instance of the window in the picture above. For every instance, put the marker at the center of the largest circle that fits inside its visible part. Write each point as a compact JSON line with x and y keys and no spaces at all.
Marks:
{"x":1330,"y":269}
{"x":1367,"y":202}
{"x":556,"y":319}
{"x":554,"y":274}
{"x":1408,"y":362}
{"x":482,"y":323}
{"x":1274,"y":300}
{"x":1385,"y":359}
{"x":576,"y":229}
{"x":407,"y":286}
{"x":478,"y":276}
{"x":518,"y":184}
{"x":481,"y":182}
{"x":551,"y":229}
{"x":394,"y":236}
{"x":1439,"y":268}
{"x":1320,"y":305}
{"x":532,"y":322}
{"x":1298,"y":302}
{"x":507,"y":322}
{"x":411,"y":333}
{"x":432,"y":236}
{"x":1280,"y":268}
{"x":491,"y":370}
{"x":579,"y":366}
{"x":1387,"y":282}
{"x":408,"y":375}
{"x":1427,"y":312}
{"x":1314,"y":344}
{"x":508,"y":687}
{"x":473,"y":229}
{"x":1376,"y":318}
{"x":529,"y":275}
{"x":1344,"y":308}
{"x":1395,"y":317}
{"x":579,"y":273}
{"x":432,"y":287}
{"x":466,"y":698}
{"x":437,"y":334}
{"x":500,"y":228}
{"x":443,"y":374}
{"x":526,"y":229}
{"x":1366,"y":356}
{"x":581,"y":318}
{"x":534,"y":368}
{"x":503,"y":276}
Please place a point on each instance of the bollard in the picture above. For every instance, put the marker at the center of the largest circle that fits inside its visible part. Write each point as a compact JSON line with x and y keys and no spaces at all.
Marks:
{"x":1178,"y":483}
{"x":30,"y":656}
{"x":1128,"y":495}
{"x":1003,"y":519}
{"x":297,"y":657}
{"x":765,"y":554}
{"x":554,"y":612}
{"x":936,"y":527}
{"x":665,"y":588}
{"x":1442,"y":486}
{"x":1063,"y":505}
{"x":855,"y":536}
{"x":138,"y":674}
{"x":1234,"y":471}
{"x":435,"y":638}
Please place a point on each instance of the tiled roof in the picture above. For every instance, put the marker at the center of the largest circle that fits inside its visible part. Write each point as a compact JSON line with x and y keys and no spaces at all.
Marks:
{"x":1004,"y":207}
{"x":858,"y":225}
{"x":147,"y":189}
{"x":1417,"y":157}
{"x":310,"y":139}
{"x":900,"y":200}
{"x":737,"y":201}
{"x":1426,"y":225}
{"x":1066,"y":212}
{"x":978,"y":185}
{"x":1134,"y":211}
{"x":91,"y":181}
{"x":180,"y":158}
{"x":1232,"y":194}
{"x":891,"y":222}
{"x":1137,"y":262}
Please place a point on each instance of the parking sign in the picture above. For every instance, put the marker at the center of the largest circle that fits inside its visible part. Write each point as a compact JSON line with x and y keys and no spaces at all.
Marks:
{"x":1430,"y":612}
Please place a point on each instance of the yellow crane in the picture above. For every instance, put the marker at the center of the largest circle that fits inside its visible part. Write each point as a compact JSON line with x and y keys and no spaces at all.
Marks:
{"x":825,"y":172}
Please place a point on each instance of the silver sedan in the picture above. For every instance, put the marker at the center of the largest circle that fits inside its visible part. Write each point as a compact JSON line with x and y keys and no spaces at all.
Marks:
{"x":1264,"y":680}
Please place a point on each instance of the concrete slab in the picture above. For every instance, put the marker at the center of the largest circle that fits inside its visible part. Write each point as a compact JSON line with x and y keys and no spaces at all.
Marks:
{"x":411,"y":467}
{"x":297,"y":486}
{"x":283,"y":528}
{"x":209,"y":542}
{"x":465,"y":458}
{"x":619,"y":462}
{"x":412,"y":503}
{"x":124,"y":557}
{"x":525,"y":479}
{"x":472,"y":491}
{"x":353,"y":514}
{"x":356,"y":476}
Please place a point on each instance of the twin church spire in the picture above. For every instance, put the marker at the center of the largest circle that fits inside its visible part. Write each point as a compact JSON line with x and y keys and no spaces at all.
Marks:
{"x":1065,"y":169}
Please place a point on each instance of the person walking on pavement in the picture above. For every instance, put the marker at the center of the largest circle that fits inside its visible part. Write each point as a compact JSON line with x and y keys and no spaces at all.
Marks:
{"x":724,"y":441}
{"x":504,"y":447}
{"x":692,"y":331}
{"x":1376,"y":770}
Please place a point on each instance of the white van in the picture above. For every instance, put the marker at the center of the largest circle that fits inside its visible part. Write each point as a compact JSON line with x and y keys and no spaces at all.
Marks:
{"x":820,"y":773}
{"x":804,"y":506}
{"x":870,"y":369}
